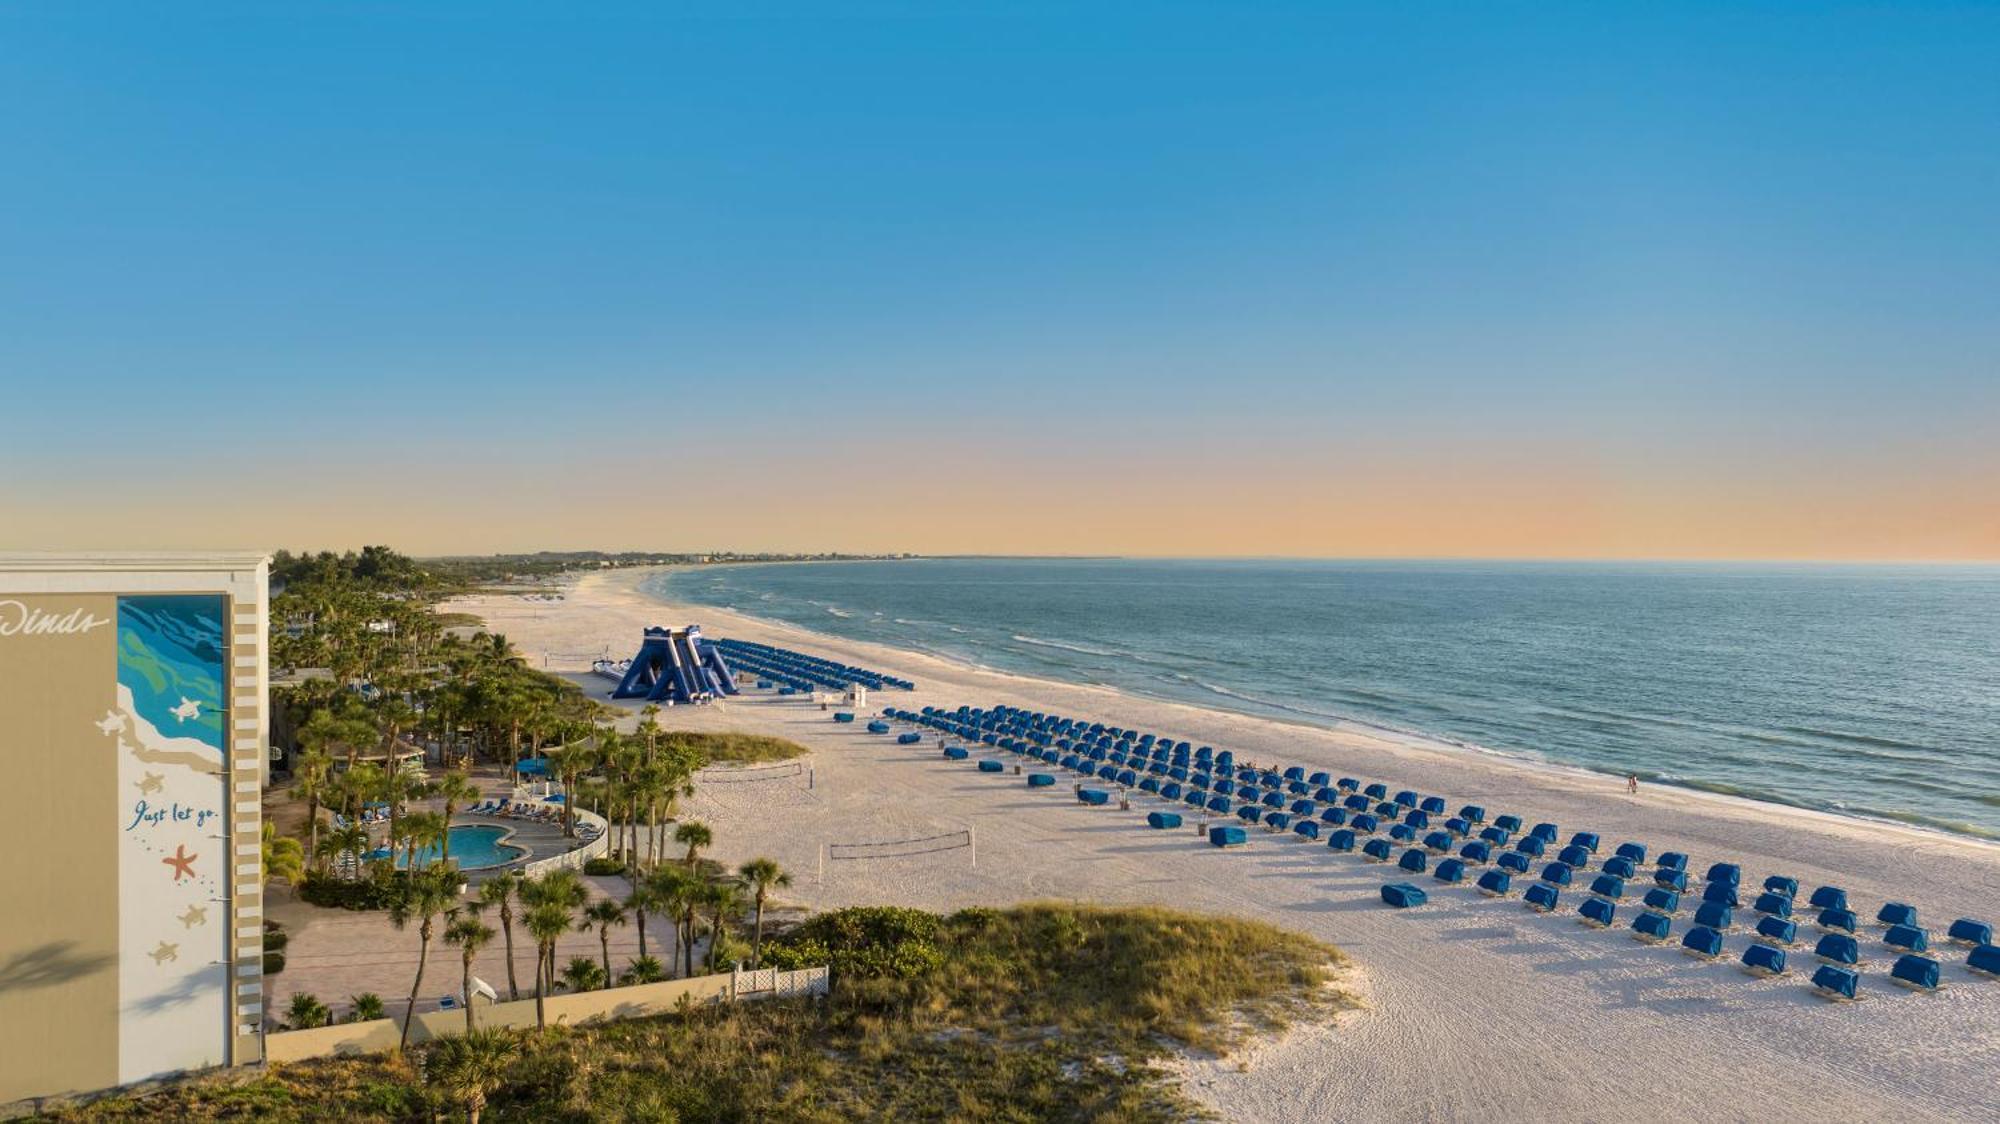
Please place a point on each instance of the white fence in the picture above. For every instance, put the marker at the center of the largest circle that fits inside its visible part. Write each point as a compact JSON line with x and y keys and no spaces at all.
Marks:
{"x":762,"y":983}
{"x":574,"y":860}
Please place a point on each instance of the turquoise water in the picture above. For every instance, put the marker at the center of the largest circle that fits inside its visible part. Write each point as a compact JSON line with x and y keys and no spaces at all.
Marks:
{"x":1868,"y":690}
{"x":170,"y":655}
{"x":473,"y":847}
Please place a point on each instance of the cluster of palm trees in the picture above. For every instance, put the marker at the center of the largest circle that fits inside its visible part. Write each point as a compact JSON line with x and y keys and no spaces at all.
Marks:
{"x":366,"y":784}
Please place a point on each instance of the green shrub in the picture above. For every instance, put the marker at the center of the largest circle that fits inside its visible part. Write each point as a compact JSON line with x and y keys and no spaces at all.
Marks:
{"x":864,"y":942}
{"x":373,"y":892}
{"x":276,"y":941}
{"x":603,"y":865}
{"x":274,"y":962}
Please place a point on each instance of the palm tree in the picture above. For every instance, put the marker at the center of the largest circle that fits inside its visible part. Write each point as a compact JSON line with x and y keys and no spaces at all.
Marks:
{"x":603,"y":914}
{"x":472,"y":1066}
{"x":365,"y":1007}
{"x":457,"y":791}
{"x":638,"y":902}
{"x":583,"y":974}
{"x":499,"y":891}
{"x":312,"y":768}
{"x":762,"y":875}
{"x":421,"y":830}
{"x":398,"y":787}
{"x":671,"y":889}
{"x":723,"y":897}
{"x":547,"y":921}
{"x":284,"y":858}
{"x":696,"y":835}
{"x":349,"y":840}
{"x":306,"y":1011}
{"x":644,"y":970}
{"x":470,"y":935}
{"x":421,"y":899}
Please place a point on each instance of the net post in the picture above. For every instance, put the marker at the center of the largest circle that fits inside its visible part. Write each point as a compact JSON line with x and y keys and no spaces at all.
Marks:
{"x":972,"y":844}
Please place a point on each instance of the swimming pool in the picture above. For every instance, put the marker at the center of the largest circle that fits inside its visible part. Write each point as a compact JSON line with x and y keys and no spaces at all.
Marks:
{"x":473,"y":847}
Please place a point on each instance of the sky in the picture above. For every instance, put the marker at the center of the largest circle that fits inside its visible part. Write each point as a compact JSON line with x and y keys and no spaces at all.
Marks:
{"x":1308,"y":279}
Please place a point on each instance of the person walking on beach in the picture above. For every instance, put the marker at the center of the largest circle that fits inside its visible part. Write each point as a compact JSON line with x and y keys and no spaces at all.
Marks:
{"x":1632,"y":785}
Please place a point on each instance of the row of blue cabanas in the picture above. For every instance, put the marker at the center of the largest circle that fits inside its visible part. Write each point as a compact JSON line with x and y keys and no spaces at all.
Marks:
{"x":802,"y":672}
{"x":1351,"y":814}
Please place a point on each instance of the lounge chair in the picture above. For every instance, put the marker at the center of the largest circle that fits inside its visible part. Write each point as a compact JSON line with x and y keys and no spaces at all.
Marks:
{"x":1403,"y":833}
{"x":1828,"y":897}
{"x":1041,"y":780}
{"x":1404,"y":895}
{"x":1473,"y":813}
{"x":1778,"y":930}
{"x":1496,"y":883}
{"x":1837,"y":984}
{"x":1652,"y":927}
{"x":1574,"y":856}
{"x":1838,"y":948}
{"x":1619,"y":867}
{"x":1722,"y":892}
{"x":1702,"y":942}
{"x":1773,"y":905}
{"x":1449,"y":870}
{"x":1596,"y":913}
{"x":1715,"y":915}
{"x":1557,"y":874}
{"x":1378,"y":850}
{"x":1663,"y":900}
{"x":1435,"y":805}
{"x":1837,"y":920}
{"x":1542,"y":897}
{"x":1333,"y":817}
{"x":1764,"y":960}
{"x":1909,"y":938}
{"x":1634,"y":852}
{"x":1546,"y":832}
{"x":1672,"y":860}
{"x":1918,"y":973}
{"x":1438,"y":842}
{"x":1984,"y":961}
{"x":1587,"y":840}
{"x":1508,"y":824}
{"x":1377,"y":791}
{"x":1966,"y":931}
{"x":1365,"y":824}
{"x":1670,"y":879}
{"x":1728,"y":874}
{"x":991,"y":765}
{"x":1163,"y":821}
{"x":1406,"y":798}
{"x":1608,"y":886}
{"x":1418,"y":819}
{"x":1896,"y":913}
{"x":1514,"y":862}
{"x":1534,"y":846}
{"x":1780,"y":884}
{"x":1342,"y":840}
{"x":1478,"y":851}
{"x":1458,"y":825}
{"x":1414,"y":860}
{"x":1497,"y":836}
{"x":1227,"y":835}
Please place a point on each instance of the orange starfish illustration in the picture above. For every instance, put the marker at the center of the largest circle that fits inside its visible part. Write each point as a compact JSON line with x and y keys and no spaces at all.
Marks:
{"x":182,"y":862}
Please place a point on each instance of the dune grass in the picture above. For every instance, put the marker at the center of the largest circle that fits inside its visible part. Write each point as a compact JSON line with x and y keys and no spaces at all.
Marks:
{"x":1044,"y":1012}
{"x":730,"y":748}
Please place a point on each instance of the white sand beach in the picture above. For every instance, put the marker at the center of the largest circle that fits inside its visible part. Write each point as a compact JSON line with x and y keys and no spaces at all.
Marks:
{"x":1478,"y":1008}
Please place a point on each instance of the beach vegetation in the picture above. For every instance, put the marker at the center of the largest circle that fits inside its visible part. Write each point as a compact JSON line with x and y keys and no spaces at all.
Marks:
{"x":1046,"y":1012}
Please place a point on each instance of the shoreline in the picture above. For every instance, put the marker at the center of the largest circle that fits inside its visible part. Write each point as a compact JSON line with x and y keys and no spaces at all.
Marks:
{"x":1418,"y":740}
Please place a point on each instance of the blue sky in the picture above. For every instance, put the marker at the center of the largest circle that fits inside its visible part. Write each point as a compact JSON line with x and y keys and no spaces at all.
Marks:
{"x":1678,"y":252}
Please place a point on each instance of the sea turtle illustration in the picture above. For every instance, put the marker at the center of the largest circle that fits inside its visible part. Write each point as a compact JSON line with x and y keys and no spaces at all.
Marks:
{"x":188,"y":709}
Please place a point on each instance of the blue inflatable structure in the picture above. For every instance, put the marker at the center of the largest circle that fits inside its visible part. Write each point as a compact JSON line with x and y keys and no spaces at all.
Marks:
{"x":676,"y":666}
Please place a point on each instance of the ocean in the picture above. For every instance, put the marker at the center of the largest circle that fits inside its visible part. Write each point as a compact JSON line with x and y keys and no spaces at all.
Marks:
{"x":1872,"y":691}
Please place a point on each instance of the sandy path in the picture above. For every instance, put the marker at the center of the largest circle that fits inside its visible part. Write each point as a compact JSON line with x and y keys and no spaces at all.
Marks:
{"x":1481,"y":1009}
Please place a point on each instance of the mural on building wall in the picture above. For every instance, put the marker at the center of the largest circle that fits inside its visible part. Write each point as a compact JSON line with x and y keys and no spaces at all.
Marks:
{"x":169,"y":729}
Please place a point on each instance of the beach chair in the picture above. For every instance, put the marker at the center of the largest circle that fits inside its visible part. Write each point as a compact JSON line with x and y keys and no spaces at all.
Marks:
{"x":1352,"y":803}
{"x":1533,"y":846}
{"x":1702,"y":943}
{"x":1546,"y":832}
{"x":1619,"y":867}
{"x":1596,"y":913}
{"x":1772,"y":904}
{"x":1574,"y":856}
{"x":1450,"y":871}
{"x":1763,"y":960}
{"x":1722,"y":892}
{"x":1418,"y":818}
{"x":1277,"y":821}
{"x":1376,"y":791}
{"x":1388,"y":811}
{"x":1497,"y":836}
{"x":1896,"y":913}
{"x":1171,"y":791}
{"x":1542,"y":897}
{"x":1652,"y":928}
{"x":1727,"y":874}
{"x":1909,"y":938}
{"x":1414,"y":860}
{"x":448,"y":1003}
{"x":1495,"y":883}
{"x":1585,"y":839}
{"x":1438,"y":842}
{"x":1227,"y":835}
{"x":1403,"y":833}
{"x":1662,"y":900}
{"x":1404,"y":895}
{"x":991,"y":765}
{"x":1472,"y":813}
{"x":1342,"y":840}
{"x":1966,"y":931}
{"x":1509,"y":824}
{"x":1635,"y":853}
{"x":1514,"y":862}
{"x":1838,"y":948}
{"x":960,"y":753}
{"x":1837,"y":984}
{"x":1347,"y":784}
{"x":1377,"y":851}
{"x":1432,"y":804}
{"x":1608,"y":886}
{"x":1672,"y":860}
{"x":1163,"y":821}
{"x":1096,"y":797}
{"x":1218,"y":804}
{"x":1407,"y":798}
{"x":1334,"y":817}
{"x":1478,"y":852}
{"x":1780,"y":884}
{"x":1778,"y":930}
{"x":1304,"y":808}
{"x":1715,"y":915}
{"x":1458,"y":825}
{"x":1837,"y":920}
{"x":1307,"y":829}
{"x":1364,"y":824}
{"x":1984,"y":961}
{"x":1918,"y":973}
{"x":1250,"y":813}
{"x":1557,"y":874}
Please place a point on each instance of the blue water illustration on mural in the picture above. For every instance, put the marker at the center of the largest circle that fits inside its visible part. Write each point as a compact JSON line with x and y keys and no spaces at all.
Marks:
{"x":170,"y":656}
